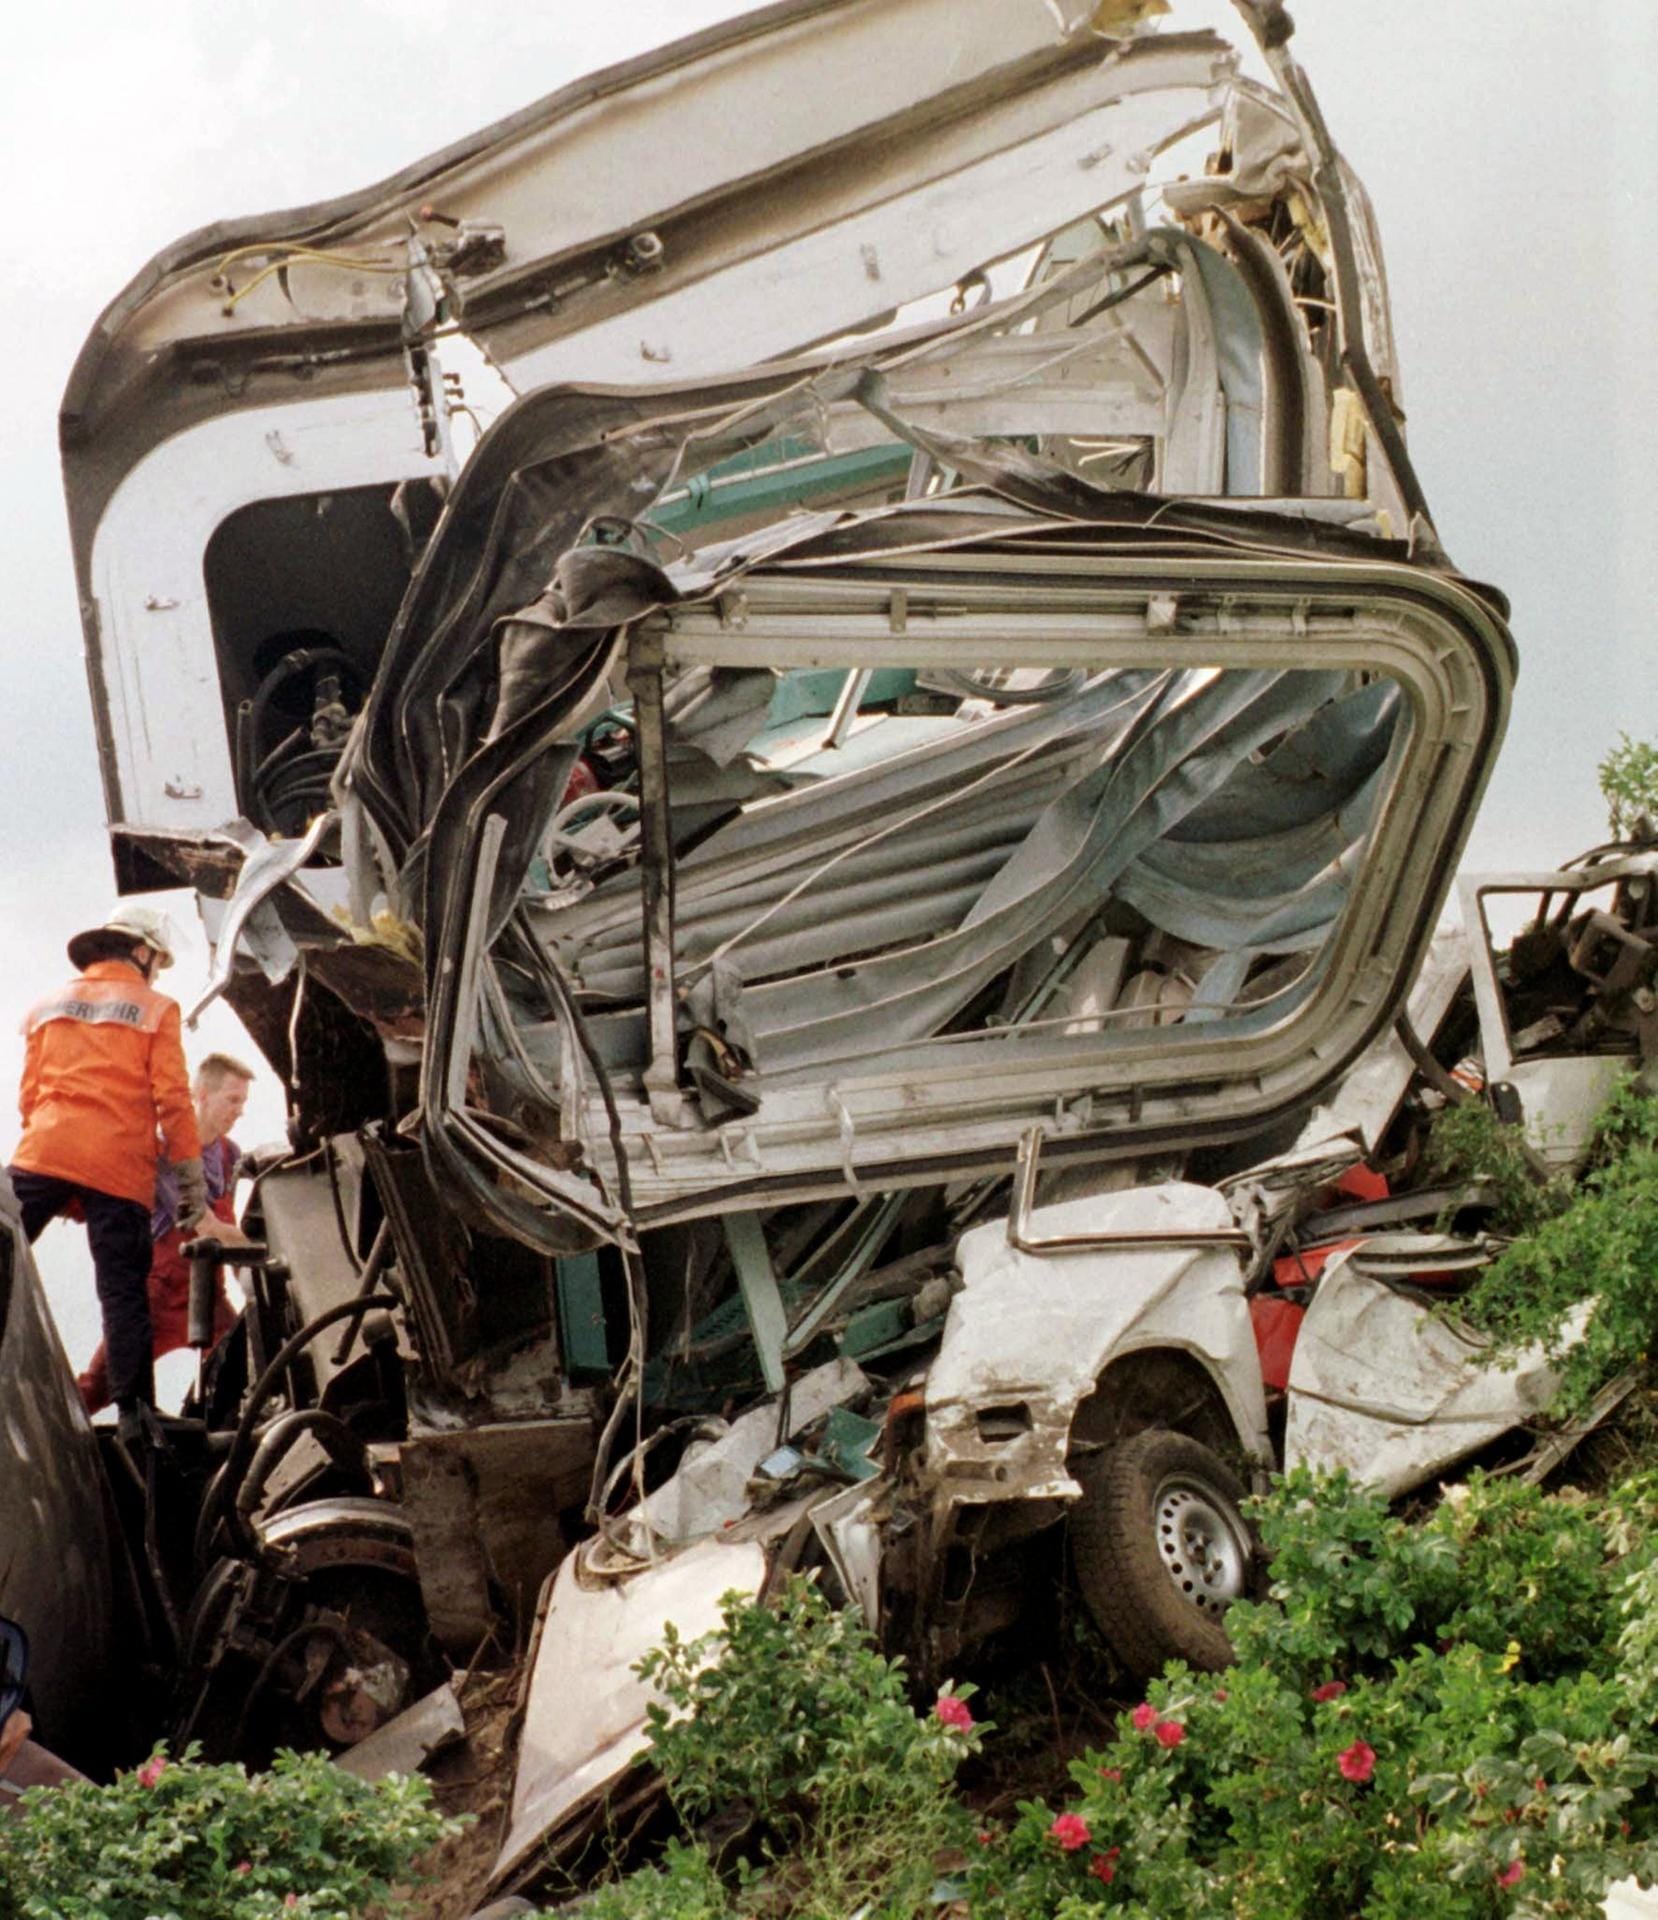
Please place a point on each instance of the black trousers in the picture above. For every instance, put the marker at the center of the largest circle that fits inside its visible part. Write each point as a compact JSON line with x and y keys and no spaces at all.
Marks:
{"x":118,"y":1232}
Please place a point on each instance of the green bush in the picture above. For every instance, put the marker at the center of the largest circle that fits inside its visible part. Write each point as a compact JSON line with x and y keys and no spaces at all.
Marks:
{"x":1470,"y":1144}
{"x":685,"y":1887}
{"x":790,"y":1725}
{"x":1603,"y":1246}
{"x":1629,"y":785}
{"x":175,"y":1840}
{"x":799,"y":1717}
{"x":1450,"y":1721}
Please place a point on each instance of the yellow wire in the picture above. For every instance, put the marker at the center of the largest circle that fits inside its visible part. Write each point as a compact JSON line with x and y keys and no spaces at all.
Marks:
{"x":344,"y":262}
{"x":295,"y":250}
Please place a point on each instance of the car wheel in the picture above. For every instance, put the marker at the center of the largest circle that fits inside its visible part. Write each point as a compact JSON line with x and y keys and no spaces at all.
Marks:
{"x":1162,"y":1550}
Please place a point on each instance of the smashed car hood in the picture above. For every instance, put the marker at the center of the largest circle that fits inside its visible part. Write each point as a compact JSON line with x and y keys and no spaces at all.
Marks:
{"x":584,"y":1715}
{"x":1031,"y":1331}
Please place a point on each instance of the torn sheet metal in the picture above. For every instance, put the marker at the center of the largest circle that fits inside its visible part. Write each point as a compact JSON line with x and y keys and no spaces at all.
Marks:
{"x":849,"y":1524}
{"x":404,"y":1745}
{"x":584,"y":1713}
{"x":1034,"y":1333}
{"x":820,"y":930}
{"x":267,"y":865}
{"x":1561,"y":1101}
{"x":709,"y":1489}
{"x":1184,"y":736}
{"x":1595,"y":933}
{"x":1384,"y":1387}
{"x":262,"y":937}
{"x":1143,"y":750}
{"x":1368,"y":1098}
{"x":961,"y":133}
{"x":691,"y":1541}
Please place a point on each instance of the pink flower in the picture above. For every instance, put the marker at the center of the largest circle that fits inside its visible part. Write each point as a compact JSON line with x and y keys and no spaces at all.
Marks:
{"x":1357,"y":1762}
{"x":953,"y":1712}
{"x":1331,"y":1690}
{"x":1113,"y":1774}
{"x":1143,"y":1716}
{"x":243,"y":1866}
{"x":290,"y":1899}
{"x":1512,"y":1874}
{"x":1169,"y":1733}
{"x":152,"y":1770}
{"x":1071,"y":1831}
{"x":1221,"y":1696}
{"x":1103,"y":1866}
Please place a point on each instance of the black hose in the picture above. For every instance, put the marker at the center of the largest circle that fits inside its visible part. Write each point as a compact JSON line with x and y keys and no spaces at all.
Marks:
{"x":343,"y":1447}
{"x":284,"y":746}
{"x":236,"y":1461}
{"x":332,"y":1162}
{"x":1116,"y":299}
{"x":379,"y":1254}
{"x":144,"y":1485}
{"x":288,"y":1641}
{"x":296,"y":662}
{"x":633,"y":1265}
{"x":261,"y":767}
{"x":1426,"y":1065}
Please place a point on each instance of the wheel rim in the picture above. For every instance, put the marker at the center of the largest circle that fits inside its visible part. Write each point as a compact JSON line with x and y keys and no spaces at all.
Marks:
{"x":1202,"y":1544}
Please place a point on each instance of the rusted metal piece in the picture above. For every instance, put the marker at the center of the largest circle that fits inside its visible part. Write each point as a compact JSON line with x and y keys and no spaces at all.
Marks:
{"x":359,"y":1698}
{"x":440,"y":1495}
{"x":1555,"y":1449}
{"x":485,"y":1506}
{"x":656,"y":879}
{"x":431,"y":1726}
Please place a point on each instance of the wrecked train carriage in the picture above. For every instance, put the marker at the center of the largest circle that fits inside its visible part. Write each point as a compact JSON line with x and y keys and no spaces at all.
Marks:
{"x":678,"y":855}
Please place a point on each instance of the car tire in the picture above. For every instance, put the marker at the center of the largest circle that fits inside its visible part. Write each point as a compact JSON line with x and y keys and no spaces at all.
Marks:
{"x":1161,"y":1549}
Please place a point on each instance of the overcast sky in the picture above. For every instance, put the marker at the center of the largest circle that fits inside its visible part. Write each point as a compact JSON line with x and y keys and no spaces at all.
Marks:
{"x":1508,"y":145}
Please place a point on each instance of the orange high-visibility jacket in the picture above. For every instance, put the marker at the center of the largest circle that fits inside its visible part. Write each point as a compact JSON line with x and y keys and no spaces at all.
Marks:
{"x":103,"y":1071}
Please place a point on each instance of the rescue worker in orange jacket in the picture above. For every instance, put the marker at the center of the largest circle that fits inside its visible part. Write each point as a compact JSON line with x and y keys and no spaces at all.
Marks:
{"x":103,"y":1074}
{"x":219,"y":1093}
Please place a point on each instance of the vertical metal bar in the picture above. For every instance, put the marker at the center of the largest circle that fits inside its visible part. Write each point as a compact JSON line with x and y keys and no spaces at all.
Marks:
{"x":466,"y":986}
{"x":768,"y":1321}
{"x":853,"y":1267}
{"x":656,"y":883}
{"x":1272,"y":28}
{"x":847,"y":703}
{"x":1482,"y":966}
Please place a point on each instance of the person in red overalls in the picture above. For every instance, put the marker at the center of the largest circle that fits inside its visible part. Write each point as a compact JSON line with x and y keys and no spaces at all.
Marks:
{"x":220,"y":1092}
{"x":103,"y":1075}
